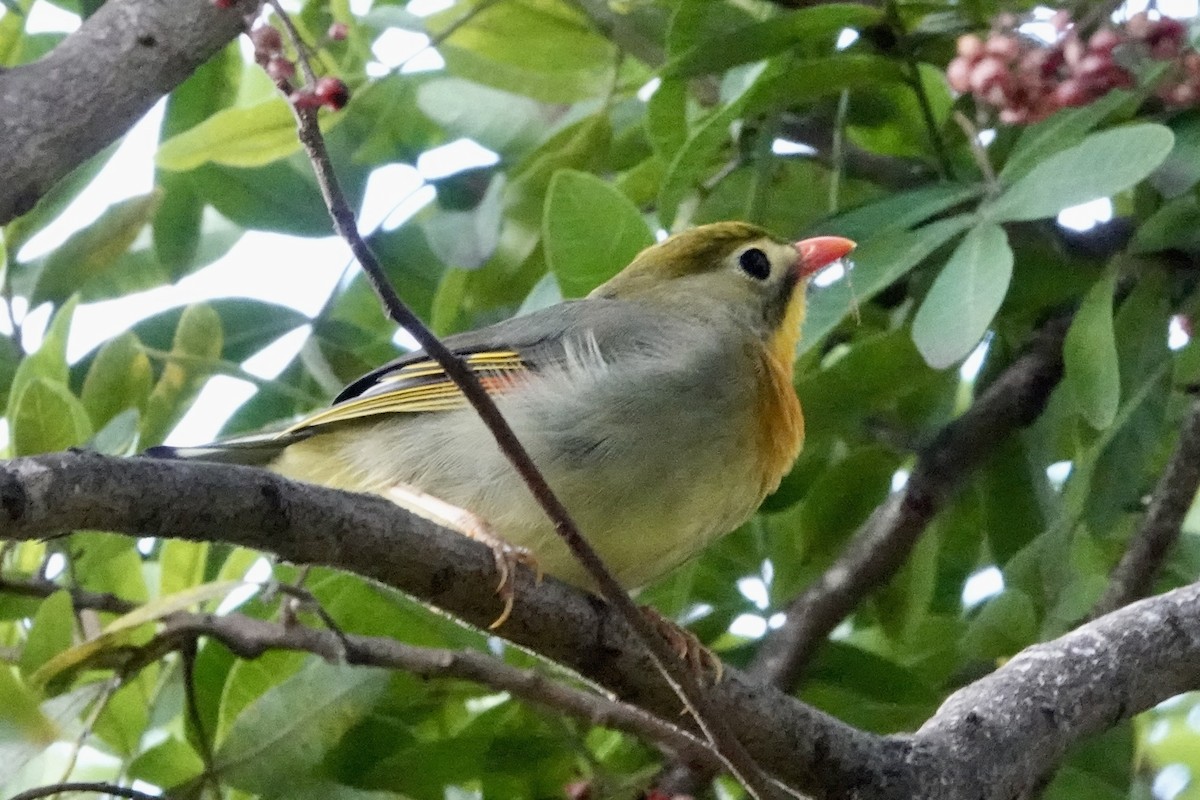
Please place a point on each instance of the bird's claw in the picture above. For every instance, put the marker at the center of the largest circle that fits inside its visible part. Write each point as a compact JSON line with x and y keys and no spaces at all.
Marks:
{"x":473,"y":526}
{"x":702,"y":662}
{"x":507,"y":557}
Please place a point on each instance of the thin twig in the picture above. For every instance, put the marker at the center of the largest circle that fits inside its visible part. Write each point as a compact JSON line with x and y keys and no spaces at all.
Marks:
{"x":677,"y":673}
{"x":1173,"y":496}
{"x":978,"y":153}
{"x":95,"y":787}
{"x":250,"y":637}
{"x":837,"y":154}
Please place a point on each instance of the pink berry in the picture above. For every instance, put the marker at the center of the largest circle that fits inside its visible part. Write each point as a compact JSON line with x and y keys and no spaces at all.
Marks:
{"x":1014,"y":116}
{"x":1003,"y":46}
{"x":1071,"y":93}
{"x":958,"y":73}
{"x":1093,"y":66}
{"x":332,"y":92}
{"x":989,"y":72}
{"x":266,"y":39}
{"x":338,"y":31}
{"x":1138,"y":25}
{"x":970,"y":46}
{"x":280,"y":69}
{"x":1104,"y":41}
{"x":1183,"y":94}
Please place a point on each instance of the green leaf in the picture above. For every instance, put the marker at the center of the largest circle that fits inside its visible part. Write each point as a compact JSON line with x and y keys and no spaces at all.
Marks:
{"x":198,"y":337}
{"x":1090,"y":356}
{"x":498,"y":120}
{"x":897,"y":211}
{"x":47,"y":418}
{"x":761,"y":40}
{"x":1181,"y":171}
{"x":1006,"y":624}
{"x":1174,"y":226}
{"x":964,"y":297}
{"x":878,"y":262}
{"x":1058,"y":132}
{"x":235,"y":137}
{"x":52,"y":632}
{"x":693,"y":160}
{"x":543,"y":49}
{"x":120,"y":377}
{"x":281,"y":196}
{"x":21,"y":717}
{"x":284,"y":734}
{"x":166,"y":764}
{"x":182,"y":565}
{"x":591,"y":231}
{"x":1100,"y":166}
{"x":666,"y":117}
{"x":810,"y":78}
{"x":50,"y":360}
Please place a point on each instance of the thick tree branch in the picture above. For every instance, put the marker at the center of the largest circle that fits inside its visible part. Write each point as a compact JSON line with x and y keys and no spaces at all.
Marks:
{"x":998,"y":736}
{"x":376,"y":539}
{"x":64,"y":108}
{"x":988,"y":741}
{"x":882,"y":544}
{"x":1173,"y":496}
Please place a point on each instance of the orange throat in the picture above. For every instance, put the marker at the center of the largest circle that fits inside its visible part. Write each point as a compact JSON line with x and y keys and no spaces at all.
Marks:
{"x":780,"y":421}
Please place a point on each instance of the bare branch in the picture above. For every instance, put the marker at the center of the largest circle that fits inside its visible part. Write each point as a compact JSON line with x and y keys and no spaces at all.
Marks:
{"x":64,"y":108}
{"x":988,"y":741}
{"x":1173,"y":496}
{"x":372,"y":537}
{"x":250,"y":637}
{"x":996,"y":738}
{"x":95,"y":787}
{"x":882,"y":544}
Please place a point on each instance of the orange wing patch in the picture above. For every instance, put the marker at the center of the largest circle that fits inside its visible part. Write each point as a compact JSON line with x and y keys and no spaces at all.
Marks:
{"x":422,"y":387}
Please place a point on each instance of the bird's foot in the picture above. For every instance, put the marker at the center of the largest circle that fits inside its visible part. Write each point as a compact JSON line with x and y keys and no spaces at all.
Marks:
{"x":703,"y":663}
{"x":473,"y":526}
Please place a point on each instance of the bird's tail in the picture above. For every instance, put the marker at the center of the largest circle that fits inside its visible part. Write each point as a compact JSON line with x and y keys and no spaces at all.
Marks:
{"x":251,"y":451}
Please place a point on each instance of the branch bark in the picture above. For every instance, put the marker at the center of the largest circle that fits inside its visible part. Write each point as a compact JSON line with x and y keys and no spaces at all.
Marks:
{"x":990,"y":740}
{"x":369,"y":536}
{"x":64,"y":108}
{"x":250,"y":637}
{"x":1173,"y":496}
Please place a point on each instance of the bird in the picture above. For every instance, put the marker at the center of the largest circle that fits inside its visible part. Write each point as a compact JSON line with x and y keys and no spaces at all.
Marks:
{"x":660,"y":408}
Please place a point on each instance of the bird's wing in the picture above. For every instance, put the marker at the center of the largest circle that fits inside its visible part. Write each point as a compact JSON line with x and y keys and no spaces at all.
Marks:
{"x":501,"y":356}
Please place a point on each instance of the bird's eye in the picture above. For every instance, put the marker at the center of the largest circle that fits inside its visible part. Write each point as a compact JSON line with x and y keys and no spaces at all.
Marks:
{"x":754,"y":262}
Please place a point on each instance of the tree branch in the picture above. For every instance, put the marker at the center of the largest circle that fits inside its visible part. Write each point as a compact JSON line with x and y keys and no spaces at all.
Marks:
{"x":250,"y":637}
{"x":988,"y":741}
{"x":1173,"y":496}
{"x":374,"y":538}
{"x":882,"y":544}
{"x":998,"y":736}
{"x":69,"y":105}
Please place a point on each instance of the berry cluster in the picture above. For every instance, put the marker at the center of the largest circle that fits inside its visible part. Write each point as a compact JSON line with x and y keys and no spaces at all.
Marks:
{"x":1027,"y":80}
{"x":269,"y":54}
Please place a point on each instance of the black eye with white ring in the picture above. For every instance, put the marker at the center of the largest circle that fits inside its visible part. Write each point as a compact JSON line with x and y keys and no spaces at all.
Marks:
{"x":754,"y":262}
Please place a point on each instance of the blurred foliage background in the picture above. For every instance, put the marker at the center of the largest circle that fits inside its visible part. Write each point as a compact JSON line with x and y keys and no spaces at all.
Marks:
{"x":610,"y":123}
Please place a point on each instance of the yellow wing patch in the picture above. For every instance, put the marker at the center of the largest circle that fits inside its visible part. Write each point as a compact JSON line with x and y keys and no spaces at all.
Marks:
{"x":421,"y":386}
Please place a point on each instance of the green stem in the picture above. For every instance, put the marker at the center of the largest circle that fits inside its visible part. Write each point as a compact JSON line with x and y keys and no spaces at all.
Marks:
{"x":837,"y":151}
{"x":764,"y":162}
